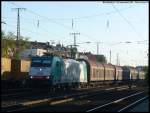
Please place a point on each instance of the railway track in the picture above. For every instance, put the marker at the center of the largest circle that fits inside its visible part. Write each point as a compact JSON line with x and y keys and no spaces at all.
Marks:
{"x":22,"y":93}
{"x":121,"y":104}
{"x":9,"y":91}
{"x":56,"y":100}
{"x":25,"y":92}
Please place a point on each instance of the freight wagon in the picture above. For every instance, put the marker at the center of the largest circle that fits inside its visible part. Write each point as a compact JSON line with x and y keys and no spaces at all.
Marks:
{"x":5,"y":68}
{"x":141,"y":75}
{"x":14,"y":72}
{"x":118,"y":74}
{"x":19,"y":70}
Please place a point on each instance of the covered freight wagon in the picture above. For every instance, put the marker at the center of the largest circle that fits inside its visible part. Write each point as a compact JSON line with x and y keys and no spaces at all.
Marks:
{"x":133,"y":73}
{"x":118,"y":73}
{"x":97,"y":71}
{"x":141,"y":75}
{"x":126,"y":73}
{"x":109,"y":72}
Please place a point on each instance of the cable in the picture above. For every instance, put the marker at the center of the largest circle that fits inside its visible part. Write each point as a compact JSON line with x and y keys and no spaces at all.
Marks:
{"x":89,"y":16}
{"x":106,"y":13}
{"x":30,"y":31}
{"x":51,"y":20}
{"x":70,"y":28}
{"x":114,"y":43}
{"x":67,"y":27}
{"x":126,"y":21}
{"x":48,"y":31}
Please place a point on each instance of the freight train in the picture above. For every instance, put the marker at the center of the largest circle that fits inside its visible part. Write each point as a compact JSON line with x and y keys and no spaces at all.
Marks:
{"x":55,"y":72}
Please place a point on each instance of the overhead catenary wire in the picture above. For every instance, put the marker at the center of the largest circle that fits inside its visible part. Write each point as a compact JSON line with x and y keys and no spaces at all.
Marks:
{"x":29,"y":30}
{"x":70,"y":28}
{"x":67,"y":27}
{"x":45,"y":30}
{"x":53,"y":21}
{"x":112,"y":43}
{"x":42,"y":28}
{"x":88,"y":16}
{"x":129,"y":23}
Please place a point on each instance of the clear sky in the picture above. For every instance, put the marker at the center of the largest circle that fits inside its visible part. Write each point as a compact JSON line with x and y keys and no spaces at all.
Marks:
{"x":108,"y":23}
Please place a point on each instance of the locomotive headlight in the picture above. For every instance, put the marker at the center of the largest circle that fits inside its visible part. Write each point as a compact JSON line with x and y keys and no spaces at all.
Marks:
{"x":31,"y":76}
{"x":47,"y":77}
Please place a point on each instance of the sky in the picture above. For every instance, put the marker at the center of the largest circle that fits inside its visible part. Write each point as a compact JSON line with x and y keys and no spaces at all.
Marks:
{"x":103,"y":22}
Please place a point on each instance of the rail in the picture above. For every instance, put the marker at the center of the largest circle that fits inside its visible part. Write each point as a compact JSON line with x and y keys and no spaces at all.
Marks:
{"x":114,"y":102}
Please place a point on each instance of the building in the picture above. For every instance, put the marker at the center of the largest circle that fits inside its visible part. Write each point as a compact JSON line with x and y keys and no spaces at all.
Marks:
{"x":32,"y":52}
{"x":39,"y":48}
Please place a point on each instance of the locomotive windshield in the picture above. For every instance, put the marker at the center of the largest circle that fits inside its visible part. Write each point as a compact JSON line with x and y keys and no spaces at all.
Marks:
{"x":46,"y":63}
{"x":36,"y":63}
{"x":41,"y":62}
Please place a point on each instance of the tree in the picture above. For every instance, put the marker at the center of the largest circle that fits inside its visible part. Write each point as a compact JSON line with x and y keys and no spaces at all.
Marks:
{"x":23,"y":44}
{"x":145,"y":69}
{"x":8,"y":45}
{"x":73,"y":52}
{"x":101,"y":58}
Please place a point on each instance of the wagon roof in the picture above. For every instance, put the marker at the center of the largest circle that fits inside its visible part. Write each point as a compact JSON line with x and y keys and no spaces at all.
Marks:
{"x":118,"y":67}
{"x":108,"y":65}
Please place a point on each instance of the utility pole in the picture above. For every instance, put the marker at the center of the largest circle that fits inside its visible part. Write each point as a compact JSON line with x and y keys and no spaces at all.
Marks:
{"x":110,"y":56}
{"x":74,"y":34}
{"x":74,"y":44}
{"x":74,"y":49}
{"x":98,"y":47}
{"x":117,"y":59}
{"x":18,"y":25}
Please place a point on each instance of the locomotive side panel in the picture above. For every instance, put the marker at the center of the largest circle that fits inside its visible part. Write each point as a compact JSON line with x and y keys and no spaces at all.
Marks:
{"x":83,"y":72}
{"x":72,"y":72}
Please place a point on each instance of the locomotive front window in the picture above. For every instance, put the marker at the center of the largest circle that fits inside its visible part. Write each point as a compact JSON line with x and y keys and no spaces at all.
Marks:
{"x":46,"y":63}
{"x":36,"y":63}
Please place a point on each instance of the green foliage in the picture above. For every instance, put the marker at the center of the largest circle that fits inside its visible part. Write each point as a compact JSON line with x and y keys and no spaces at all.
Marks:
{"x":146,"y":75}
{"x":73,"y":51}
{"x":145,"y":68}
{"x":101,"y":58}
{"x":8,"y":45}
